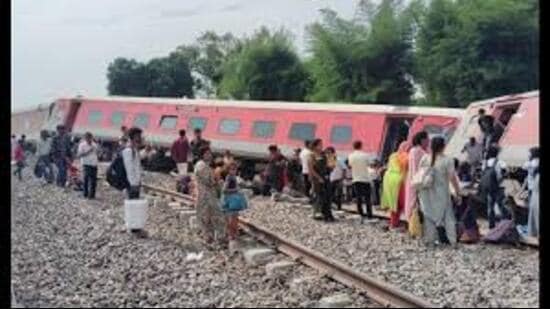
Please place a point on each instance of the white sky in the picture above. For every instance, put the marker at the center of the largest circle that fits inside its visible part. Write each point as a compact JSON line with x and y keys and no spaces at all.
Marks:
{"x":63,"y":47}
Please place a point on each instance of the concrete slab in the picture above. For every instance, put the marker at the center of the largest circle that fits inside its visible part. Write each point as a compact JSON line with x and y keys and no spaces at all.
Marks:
{"x":258,"y":256}
{"x":275,"y":269}
{"x":175,"y":205}
{"x":335,"y":301}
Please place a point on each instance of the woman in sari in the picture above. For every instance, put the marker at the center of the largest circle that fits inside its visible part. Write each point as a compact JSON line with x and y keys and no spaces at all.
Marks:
{"x":392,"y":186}
{"x":209,"y":215}
{"x":420,"y":144}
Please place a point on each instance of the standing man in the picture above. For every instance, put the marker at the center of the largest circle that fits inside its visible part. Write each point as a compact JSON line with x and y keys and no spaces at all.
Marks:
{"x":486,"y":125}
{"x":196,"y":145}
{"x":179,"y":151}
{"x":132,"y":165}
{"x":274,"y":171}
{"x":359,"y":162}
{"x":490,"y":185}
{"x":305,"y":154}
{"x":43,"y":150}
{"x":474,"y":153}
{"x":87,"y":152}
{"x":61,"y":154}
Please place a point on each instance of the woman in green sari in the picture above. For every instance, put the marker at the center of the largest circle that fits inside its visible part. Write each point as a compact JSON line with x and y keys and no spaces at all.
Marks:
{"x":392,"y":184}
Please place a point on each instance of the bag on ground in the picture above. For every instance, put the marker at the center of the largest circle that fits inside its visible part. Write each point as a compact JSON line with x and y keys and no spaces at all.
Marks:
{"x":415,"y":226}
{"x":504,"y":232}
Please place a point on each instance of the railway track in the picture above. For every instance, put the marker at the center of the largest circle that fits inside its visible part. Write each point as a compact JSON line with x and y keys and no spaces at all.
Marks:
{"x":380,"y":292}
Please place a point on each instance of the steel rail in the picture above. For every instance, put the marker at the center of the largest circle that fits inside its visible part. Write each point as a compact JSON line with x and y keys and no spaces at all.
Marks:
{"x":379,"y":291}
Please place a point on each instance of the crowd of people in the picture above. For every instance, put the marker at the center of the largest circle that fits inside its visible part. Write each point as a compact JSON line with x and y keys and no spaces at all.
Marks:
{"x":419,"y":183}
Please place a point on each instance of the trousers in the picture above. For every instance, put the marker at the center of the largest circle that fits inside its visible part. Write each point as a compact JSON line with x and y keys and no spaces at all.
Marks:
{"x":61,"y":164}
{"x":449,"y":224}
{"x":363,"y":193}
{"x":90,"y":181}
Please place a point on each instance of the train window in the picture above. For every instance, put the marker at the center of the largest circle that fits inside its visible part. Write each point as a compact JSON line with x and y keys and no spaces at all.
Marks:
{"x":117,"y":118}
{"x":168,"y":122}
{"x":434,"y":130}
{"x":340,"y":134}
{"x":302,"y":131}
{"x":197,"y":123}
{"x":263,"y":129}
{"x":141,"y":121}
{"x":94,"y":117}
{"x":229,"y":126}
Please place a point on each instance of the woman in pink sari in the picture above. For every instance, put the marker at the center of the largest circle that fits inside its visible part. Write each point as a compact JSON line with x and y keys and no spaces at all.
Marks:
{"x":420,"y":144}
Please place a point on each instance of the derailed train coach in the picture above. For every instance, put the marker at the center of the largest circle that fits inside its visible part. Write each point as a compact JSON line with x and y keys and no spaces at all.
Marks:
{"x":517,"y":126}
{"x":247,"y":128}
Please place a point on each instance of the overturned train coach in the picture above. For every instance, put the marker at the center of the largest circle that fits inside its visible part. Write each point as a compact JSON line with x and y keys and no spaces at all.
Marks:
{"x":517,"y":129}
{"x":246,"y":128}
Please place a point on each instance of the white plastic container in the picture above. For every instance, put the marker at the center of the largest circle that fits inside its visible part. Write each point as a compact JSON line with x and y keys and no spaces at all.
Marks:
{"x":135,"y":213}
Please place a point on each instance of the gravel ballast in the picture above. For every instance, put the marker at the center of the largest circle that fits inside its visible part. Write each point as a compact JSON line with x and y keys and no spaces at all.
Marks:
{"x":68,"y":251}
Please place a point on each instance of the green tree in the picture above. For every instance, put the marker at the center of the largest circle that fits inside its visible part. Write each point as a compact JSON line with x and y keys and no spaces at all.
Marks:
{"x":367,"y":59}
{"x":126,"y":77}
{"x":265,"y":67}
{"x":164,"y":77}
{"x":472,"y":49}
{"x":207,"y":57}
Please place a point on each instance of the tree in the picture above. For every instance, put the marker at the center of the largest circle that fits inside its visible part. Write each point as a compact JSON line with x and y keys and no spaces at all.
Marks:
{"x":265,"y":67}
{"x":126,"y":77}
{"x":164,"y":77}
{"x":207,"y":57}
{"x":472,"y":49}
{"x":366,"y":59}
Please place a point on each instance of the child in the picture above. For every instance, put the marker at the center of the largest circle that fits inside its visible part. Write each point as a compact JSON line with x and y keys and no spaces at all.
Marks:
{"x":348,"y":189}
{"x":74,"y":178}
{"x":232,"y":202}
{"x":19,"y":156}
{"x":374,"y":170}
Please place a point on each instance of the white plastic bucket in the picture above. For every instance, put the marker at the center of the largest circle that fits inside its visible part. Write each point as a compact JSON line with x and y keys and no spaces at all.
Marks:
{"x":135,"y":214}
{"x":182,"y":169}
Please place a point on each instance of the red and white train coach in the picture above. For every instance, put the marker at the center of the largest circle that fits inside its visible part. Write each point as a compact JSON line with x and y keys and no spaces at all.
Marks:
{"x":518,"y":131}
{"x":248,"y":127}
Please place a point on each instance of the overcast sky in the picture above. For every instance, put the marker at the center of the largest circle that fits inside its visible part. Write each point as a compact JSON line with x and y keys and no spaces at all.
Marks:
{"x":63,"y":47}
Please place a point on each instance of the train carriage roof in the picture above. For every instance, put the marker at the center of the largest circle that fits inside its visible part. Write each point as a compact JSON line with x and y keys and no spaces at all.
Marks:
{"x":313,"y":106}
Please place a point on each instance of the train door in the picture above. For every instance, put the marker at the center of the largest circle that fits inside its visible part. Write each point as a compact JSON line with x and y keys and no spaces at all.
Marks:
{"x":396,"y":130}
{"x":503,"y":113}
{"x":434,"y":126}
{"x":74,"y":106}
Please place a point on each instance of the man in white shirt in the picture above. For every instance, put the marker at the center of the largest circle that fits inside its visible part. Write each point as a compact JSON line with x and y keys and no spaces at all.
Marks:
{"x":132,"y":164}
{"x":305,"y":154}
{"x":87,"y":152}
{"x":359,"y":161}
